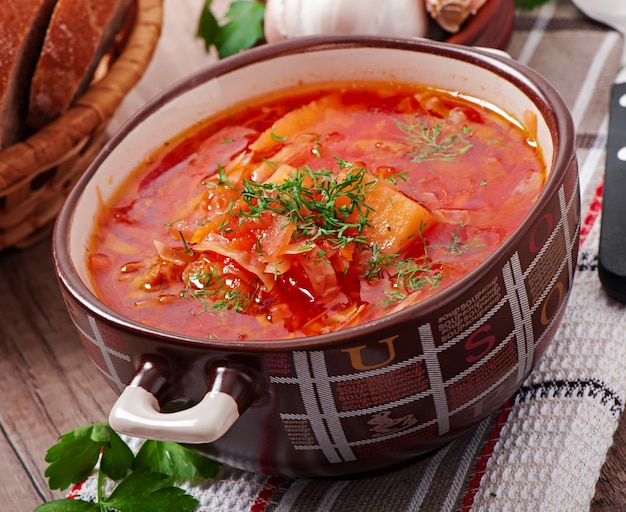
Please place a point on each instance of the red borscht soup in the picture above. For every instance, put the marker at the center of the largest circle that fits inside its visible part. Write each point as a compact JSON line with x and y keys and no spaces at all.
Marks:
{"x":308,"y":212}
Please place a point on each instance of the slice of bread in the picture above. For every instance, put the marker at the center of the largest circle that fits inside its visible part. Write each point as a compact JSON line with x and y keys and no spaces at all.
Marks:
{"x":23,"y":26}
{"x":79,"y":34}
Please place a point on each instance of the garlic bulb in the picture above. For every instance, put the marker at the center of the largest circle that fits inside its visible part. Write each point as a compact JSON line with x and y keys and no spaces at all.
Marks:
{"x":451,"y":14}
{"x":291,"y":18}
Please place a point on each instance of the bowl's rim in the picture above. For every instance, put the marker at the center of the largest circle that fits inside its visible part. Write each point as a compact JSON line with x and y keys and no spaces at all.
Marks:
{"x":530,"y":82}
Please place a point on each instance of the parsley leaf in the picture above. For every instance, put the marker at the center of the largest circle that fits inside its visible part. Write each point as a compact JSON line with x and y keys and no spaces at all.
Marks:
{"x":65,"y":505}
{"x":117,"y":457}
{"x":243,"y":29}
{"x":75,"y":456}
{"x":144,"y":482}
{"x":144,"y":490}
{"x":208,"y":27}
{"x":174,"y":460}
{"x":141,"y":491}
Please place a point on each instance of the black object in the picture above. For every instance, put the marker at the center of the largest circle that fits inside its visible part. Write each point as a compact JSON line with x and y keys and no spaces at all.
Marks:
{"x":612,"y":250}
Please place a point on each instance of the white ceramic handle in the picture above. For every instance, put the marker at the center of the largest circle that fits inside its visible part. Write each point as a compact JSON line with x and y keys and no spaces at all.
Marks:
{"x":137,"y":413}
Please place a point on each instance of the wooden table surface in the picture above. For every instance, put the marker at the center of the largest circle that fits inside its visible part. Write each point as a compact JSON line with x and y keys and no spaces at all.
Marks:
{"x":49,"y":386}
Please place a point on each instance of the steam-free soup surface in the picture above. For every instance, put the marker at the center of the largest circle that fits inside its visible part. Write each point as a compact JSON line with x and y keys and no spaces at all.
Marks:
{"x":311,"y":212}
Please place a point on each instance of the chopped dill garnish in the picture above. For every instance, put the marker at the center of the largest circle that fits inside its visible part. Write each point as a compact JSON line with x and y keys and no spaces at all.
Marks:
{"x":209,"y":288}
{"x":277,"y":138}
{"x":393,"y":297}
{"x":272,"y":163}
{"x":378,"y":262}
{"x":223,"y":177}
{"x":187,"y":249}
{"x":318,"y":203}
{"x":394,"y":179}
{"x":410,"y":274}
{"x":414,"y":275}
{"x":427,"y":142}
{"x":456,"y":246}
{"x":225,"y":227}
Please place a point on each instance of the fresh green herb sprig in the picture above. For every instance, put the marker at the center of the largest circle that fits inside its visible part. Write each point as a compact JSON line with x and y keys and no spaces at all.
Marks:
{"x":312,"y":201}
{"x":144,"y":482}
{"x":243,"y":28}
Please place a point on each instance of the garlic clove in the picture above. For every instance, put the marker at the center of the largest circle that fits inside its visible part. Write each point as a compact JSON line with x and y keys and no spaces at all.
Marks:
{"x":292,"y":18}
{"x":451,"y":14}
{"x":274,"y":21}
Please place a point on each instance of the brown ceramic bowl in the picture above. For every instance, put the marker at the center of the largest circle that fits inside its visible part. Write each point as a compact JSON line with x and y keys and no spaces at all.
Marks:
{"x":305,"y":407}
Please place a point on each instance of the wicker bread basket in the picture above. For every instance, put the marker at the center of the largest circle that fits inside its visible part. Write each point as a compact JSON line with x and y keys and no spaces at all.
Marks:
{"x":37,"y":174}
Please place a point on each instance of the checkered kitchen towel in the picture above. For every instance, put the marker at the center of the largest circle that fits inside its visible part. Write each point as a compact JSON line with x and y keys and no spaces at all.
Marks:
{"x":545,"y":448}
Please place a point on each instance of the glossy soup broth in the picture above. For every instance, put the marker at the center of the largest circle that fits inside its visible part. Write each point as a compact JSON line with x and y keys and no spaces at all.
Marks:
{"x":313,"y":212}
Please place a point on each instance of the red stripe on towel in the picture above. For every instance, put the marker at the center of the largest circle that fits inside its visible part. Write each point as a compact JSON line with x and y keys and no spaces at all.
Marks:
{"x":264,"y":497}
{"x":75,"y":490}
{"x":595,"y":207}
{"x":486,"y":455}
